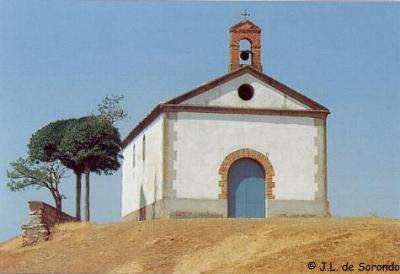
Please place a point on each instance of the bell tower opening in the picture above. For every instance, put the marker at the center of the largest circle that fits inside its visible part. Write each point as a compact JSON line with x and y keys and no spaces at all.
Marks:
{"x":244,"y":45}
{"x":245,"y":52}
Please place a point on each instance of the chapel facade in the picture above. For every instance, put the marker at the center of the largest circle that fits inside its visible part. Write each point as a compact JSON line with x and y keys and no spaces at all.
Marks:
{"x":241,"y":145}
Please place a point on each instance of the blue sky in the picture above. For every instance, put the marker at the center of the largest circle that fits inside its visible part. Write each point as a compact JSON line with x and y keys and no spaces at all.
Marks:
{"x":58,"y":59}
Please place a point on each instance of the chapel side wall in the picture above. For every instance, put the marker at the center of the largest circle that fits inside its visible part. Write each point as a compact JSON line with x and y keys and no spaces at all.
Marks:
{"x":142,"y":178}
{"x":294,"y":145}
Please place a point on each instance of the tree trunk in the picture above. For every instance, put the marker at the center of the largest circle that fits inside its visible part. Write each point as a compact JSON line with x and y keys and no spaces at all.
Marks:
{"x":57,"y":199}
{"x":78,"y":196}
{"x":87,"y":208}
{"x":58,"y":203}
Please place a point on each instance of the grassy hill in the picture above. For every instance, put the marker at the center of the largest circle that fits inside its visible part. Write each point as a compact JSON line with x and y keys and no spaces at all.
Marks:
{"x":281,"y":245}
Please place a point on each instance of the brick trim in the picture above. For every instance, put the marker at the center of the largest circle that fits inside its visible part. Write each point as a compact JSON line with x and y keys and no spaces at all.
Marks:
{"x":238,"y":26}
{"x":239,"y":110}
{"x":252,"y":154}
{"x":254,"y":72}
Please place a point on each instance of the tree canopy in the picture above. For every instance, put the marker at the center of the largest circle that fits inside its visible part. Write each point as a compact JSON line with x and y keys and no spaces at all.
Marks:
{"x":94,"y":143}
{"x":44,"y":144}
{"x":26,"y":173}
{"x":111,"y":109}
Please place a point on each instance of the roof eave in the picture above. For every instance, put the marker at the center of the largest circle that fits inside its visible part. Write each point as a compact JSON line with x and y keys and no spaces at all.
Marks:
{"x":263,"y":77}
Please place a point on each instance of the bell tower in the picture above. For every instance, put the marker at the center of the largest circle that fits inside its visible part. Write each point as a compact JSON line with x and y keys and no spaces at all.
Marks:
{"x":248,"y":32}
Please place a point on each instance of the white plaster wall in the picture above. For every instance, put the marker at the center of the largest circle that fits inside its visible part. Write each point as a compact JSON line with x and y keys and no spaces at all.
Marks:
{"x":142,"y":182}
{"x":205,"y":139}
{"x":265,"y":96}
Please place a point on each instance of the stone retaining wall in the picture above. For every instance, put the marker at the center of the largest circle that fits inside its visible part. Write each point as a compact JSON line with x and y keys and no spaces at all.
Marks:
{"x":42,"y":218}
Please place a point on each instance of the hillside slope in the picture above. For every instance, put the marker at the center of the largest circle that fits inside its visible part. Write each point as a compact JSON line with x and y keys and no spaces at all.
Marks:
{"x":282,"y":245}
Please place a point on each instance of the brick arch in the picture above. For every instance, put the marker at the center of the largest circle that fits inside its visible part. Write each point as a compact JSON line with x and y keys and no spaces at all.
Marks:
{"x":247,"y":38}
{"x":251,"y":154}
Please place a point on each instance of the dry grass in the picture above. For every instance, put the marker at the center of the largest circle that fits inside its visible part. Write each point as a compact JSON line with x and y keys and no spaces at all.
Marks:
{"x":282,"y":245}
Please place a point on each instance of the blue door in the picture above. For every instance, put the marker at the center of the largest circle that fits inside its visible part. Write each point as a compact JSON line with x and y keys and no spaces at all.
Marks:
{"x":246,"y":188}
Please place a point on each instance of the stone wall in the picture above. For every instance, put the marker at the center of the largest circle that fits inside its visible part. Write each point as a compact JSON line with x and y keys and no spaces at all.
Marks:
{"x":42,"y":218}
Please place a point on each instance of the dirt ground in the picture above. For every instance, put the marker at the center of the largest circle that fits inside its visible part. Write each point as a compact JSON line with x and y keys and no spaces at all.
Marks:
{"x":277,"y":245}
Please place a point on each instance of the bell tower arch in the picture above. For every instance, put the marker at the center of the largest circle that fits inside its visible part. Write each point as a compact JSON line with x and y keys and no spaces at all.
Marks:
{"x":249,"y":32}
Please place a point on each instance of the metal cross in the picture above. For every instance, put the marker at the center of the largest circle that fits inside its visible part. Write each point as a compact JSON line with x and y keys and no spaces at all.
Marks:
{"x":245,"y":14}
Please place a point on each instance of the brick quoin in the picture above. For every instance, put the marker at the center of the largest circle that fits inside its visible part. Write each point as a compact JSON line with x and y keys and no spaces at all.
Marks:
{"x":251,"y":154}
{"x":244,"y":30}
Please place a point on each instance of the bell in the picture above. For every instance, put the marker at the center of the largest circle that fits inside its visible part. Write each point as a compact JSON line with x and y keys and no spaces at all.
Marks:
{"x":244,"y":55}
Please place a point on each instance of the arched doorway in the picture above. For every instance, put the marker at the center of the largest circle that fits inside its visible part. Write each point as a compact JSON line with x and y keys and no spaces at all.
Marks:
{"x":246,"y":188}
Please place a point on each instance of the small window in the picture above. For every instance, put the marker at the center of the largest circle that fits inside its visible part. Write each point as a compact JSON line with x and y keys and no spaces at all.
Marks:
{"x":246,"y":92}
{"x":134,"y":156}
{"x":144,"y":147}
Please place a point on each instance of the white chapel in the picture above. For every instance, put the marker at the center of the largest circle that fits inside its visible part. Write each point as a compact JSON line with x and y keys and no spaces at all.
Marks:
{"x":241,"y":145}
